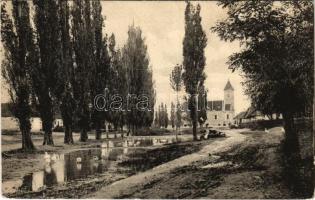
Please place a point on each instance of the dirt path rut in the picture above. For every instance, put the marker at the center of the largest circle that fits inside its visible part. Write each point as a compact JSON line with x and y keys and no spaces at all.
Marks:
{"x":134,"y":183}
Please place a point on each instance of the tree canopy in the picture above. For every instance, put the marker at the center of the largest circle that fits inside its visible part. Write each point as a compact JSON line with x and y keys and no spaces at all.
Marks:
{"x":194,"y":62}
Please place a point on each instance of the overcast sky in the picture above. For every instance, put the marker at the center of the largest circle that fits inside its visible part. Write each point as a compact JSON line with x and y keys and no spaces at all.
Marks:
{"x":162,"y":24}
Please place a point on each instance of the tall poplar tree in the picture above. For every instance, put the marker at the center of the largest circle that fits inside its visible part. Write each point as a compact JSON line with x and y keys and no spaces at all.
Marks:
{"x":117,"y":84}
{"x":165,"y":114}
{"x":140,"y":84}
{"x":173,"y":115}
{"x":65,"y":75}
{"x":194,"y":62}
{"x":45,"y":75}
{"x":160,"y":116}
{"x":19,"y":56}
{"x":100,"y":72}
{"x":156,"y":119}
{"x":83,"y":43}
{"x":176,"y":81}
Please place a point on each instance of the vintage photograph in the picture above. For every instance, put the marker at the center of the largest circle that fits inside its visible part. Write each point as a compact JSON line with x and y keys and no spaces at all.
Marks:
{"x":157,"y":99}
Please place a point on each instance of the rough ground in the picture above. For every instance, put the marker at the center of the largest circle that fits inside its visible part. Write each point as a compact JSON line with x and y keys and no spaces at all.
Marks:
{"x":244,"y":165}
{"x":17,"y":164}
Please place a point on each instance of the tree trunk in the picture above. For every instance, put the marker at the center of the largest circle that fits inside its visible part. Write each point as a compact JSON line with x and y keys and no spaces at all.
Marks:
{"x":194,"y":116}
{"x":128,"y":129}
{"x":122,"y":130}
{"x":47,"y":117}
{"x":83,"y":135}
{"x":107,"y":136}
{"x":313,"y":118}
{"x":133,"y":130}
{"x":299,"y":157}
{"x":194,"y":129}
{"x":48,"y":139}
{"x":47,"y":128}
{"x":68,"y":134}
{"x":27,"y":143}
{"x":98,"y":132}
{"x":305,"y":183}
{"x":115,"y":129}
{"x":291,"y":142}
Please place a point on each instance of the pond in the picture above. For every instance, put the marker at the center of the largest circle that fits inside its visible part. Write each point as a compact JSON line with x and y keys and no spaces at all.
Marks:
{"x":84,"y":163}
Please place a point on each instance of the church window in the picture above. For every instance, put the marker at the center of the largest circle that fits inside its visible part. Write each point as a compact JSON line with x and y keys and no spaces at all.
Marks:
{"x":227,"y":116}
{"x":215,"y":116}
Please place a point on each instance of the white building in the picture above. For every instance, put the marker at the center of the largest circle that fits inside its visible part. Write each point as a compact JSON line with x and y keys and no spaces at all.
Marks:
{"x":221,"y":112}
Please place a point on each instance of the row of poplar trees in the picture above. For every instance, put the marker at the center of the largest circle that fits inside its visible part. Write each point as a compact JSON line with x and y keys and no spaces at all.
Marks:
{"x":161,"y":116}
{"x":58,"y":58}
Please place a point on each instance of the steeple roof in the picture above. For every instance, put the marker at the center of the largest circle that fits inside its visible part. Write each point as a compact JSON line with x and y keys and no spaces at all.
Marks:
{"x":228,"y":86}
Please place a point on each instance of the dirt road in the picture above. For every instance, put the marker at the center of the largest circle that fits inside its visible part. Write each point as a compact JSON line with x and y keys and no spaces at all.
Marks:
{"x":130,"y":185}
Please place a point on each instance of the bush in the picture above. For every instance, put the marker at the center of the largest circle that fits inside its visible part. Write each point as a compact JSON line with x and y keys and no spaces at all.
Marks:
{"x":152,"y":131}
{"x":262,"y":124}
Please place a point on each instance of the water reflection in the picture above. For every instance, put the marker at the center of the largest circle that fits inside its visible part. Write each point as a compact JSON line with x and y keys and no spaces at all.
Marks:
{"x":139,"y":142}
{"x":61,"y":168}
{"x":65,"y":167}
{"x":37,"y":180}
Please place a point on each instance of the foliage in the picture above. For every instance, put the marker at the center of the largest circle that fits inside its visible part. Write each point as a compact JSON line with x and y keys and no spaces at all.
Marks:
{"x":140,"y":85}
{"x":45,"y":73}
{"x":165,"y":117}
{"x":277,"y":55}
{"x":194,"y":62}
{"x":162,"y":118}
{"x":66,"y":62}
{"x":64,"y":95}
{"x":178,"y":121}
{"x":17,"y":39}
{"x":173,"y":115}
{"x":176,"y":78}
{"x":277,"y":62}
{"x":156,"y":119}
{"x":82,"y":36}
{"x":100,"y":73}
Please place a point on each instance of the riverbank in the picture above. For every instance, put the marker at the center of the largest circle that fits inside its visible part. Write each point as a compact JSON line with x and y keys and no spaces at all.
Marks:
{"x":19,"y":168}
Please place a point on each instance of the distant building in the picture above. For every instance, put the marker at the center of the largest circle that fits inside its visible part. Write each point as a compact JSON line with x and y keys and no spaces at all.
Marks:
{"x":58,"y":122}
{"x":9,"y":122}
{"x":252,"y":114}
{"x":221,"y":112}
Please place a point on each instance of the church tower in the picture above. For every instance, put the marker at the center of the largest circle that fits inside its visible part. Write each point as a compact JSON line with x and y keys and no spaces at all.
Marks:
{"x":228,"y":97}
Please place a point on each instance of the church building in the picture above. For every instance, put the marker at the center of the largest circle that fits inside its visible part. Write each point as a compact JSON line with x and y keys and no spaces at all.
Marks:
{"x":221,"y":112}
